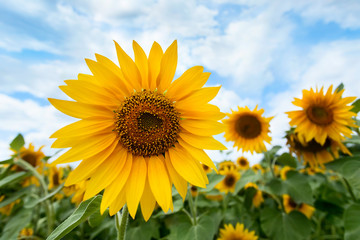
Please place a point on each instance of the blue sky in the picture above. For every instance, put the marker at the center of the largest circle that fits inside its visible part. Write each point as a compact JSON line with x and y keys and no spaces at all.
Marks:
{"x":261,"y":52}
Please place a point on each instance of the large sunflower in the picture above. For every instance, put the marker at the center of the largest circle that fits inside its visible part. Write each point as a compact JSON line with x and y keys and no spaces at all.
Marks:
{"x":237,"y":233}
{"x":140,"y":131}
{"x":248,"y":129}
{"x":313,"y":153}
{"x":323,"y":115}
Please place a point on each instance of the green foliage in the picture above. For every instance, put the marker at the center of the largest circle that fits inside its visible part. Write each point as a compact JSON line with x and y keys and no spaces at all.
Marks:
{"x":287,"y":160}
{"x":352,"y":220}
{"x":13,"y":178}
{"x":15,"y":224}
{"x":17,"y":143}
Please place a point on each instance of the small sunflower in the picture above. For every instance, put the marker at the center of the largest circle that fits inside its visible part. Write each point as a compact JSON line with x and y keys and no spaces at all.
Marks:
{"x":258,"y":197}
{"x":323,"y":115}
{"x":248,"y":129}
{"x":206,"y":168}
{"x":313,"y":153}
{"x":284,"y":171}
{"x":139,"y":131}
{"x":56,"y":177}
{"x":291,"y":205}
{"x":228,"y":183}
{"x":226,"y":164}
{"x":237,"y":233}
{"x":257,"y":167}
{"x":194,"y":190}
{"x":26,"y":232}
{"x":243,"y":163}
{"x":30,"y":156}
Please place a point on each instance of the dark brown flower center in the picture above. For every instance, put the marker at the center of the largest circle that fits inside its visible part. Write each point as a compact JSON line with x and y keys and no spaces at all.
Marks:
{"x":30,"y":158}
{"x":205,"y":167}
{"x":147,"y":123}
{"x":243,"y":162}
{"x":55,"y":178}
{"x":229,"y":180}
{"x":320,"y":115}
{"x":248,"y":126}
{"x":292,"y":203}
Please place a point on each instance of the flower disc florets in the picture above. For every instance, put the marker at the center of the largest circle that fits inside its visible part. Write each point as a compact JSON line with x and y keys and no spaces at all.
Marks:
{"x":147,"y":123}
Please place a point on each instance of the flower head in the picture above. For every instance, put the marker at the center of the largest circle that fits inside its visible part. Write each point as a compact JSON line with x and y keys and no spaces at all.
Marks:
{"x":248,"y":129}
{"x":30,"y":155}
{"x":226,"y":164}
{"x":258,"y":197}
{"x":232,"y":175}
{"x":139,"y":131}
{"x":291,"y":205}
{"x":243,"y":163}
{"x":323,"y":115}
{"x":239,"y":232}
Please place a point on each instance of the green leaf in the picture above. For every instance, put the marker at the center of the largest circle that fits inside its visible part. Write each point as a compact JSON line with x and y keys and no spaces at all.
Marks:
{"x":248,"y":176}
{"x":298,"y":187}
{"x":84,"y":210}
{"x":17,"y":143}
{"x":272,"y":152}
{"x":8,"y":161}
{"x":351,"y":222}
{"x":17,"y":222}
{"x":145,"y":231}
{"x":339,"y":88}
{"x":213,"y":180}
{"x":16,"y":177}
{"x":356,"y":106}
{"x":287,"y":160}
{"x":96,"y":219}
{"x":50,"y":195}
{"x":281,"y":226}
{"x":13,"y":197}
{"x":355,"y":139}
{"x":275,"y":186}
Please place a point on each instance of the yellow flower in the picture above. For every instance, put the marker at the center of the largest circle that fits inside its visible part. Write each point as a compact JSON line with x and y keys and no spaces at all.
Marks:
{"x":291,"y":205}
{"x":30,"y":155}
{"x":312,"y":171}
{"x":56,"y":177}
{"x":258,"y":197}
{"x":313,"y":153}
{"x":26,"y":232}
{"x":206,"y":168}
{"x":284,"y":171}
{"x":228,"y":183}
{"x":257,"y":167}
{"x":248,"y":129}
{"x":226,"y":164}
{"x":6,"y":210}
{"x":243,"y":163}
{"x":237,"y":233}
{"x":194,"y":191}
{"x":323,"y":116}
{"x":140,"y":131}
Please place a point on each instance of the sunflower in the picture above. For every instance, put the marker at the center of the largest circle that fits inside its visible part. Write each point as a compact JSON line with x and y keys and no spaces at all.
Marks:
{"x":194,"y":190}
{"x":323,"y":115}
{"x":226,"y":164}
{"x":248,"y":129}
{"x":243,"y":163}
{"x":139,"y":131}
{"x":257,"y":167}
{"x":291,"y":205}
{"x":30,"y":156}
{"x":26,"y":232}
{"x":313,"y":153}
{"x":258,"y":197}
{"x":237,"y":233}
{"x":284,"y":171}
{"x":228,"y":183}
{"x":56,"y":177}
{"x":206,"y":168}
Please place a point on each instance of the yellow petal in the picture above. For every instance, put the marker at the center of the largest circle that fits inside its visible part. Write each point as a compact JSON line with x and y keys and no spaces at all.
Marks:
{"x":179,"y":182}
{"x":81,"y":110}
{"x":135,"y":184}
{"x":207,"y":111}
{"x":198,"y":154}
{"x":147,"y":202}
{"x":87,"y":149}
{"x":185,"y":165}
{"x":167,"y":67}
{"x":155,"y":57}
{"x":159,"y":182}
{"x":129,"y":68}
{"x":198,"y":97}
{"x":89,"y":165}
{"x":84,"y":127}
{"x":201,"y":141}
{"x":117,"y":185}
{"x":119,"y":202}
{"x":141,"y":62}
{"x":106,"y":172}
{"x":202,"y":127}
{"x":191,"y":78}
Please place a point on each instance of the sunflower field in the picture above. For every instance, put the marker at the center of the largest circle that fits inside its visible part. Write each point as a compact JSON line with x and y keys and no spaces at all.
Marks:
{"x":143,"y":173}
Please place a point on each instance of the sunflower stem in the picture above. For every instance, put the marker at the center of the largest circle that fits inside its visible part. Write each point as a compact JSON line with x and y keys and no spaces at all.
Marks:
{"x":348,"y":186}
{"x":48,"y":207}
{"x":121,"y":221}
{"x":192,"y":207}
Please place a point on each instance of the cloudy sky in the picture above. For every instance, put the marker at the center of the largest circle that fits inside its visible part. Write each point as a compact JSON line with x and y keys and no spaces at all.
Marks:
{"x":261,"y":52}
